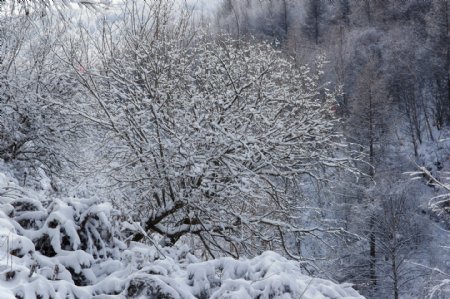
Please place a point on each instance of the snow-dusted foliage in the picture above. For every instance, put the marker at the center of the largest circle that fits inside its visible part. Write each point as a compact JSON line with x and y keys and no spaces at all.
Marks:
{"x":73,"y":248}
{"x":204,"y":136}
{"x":52,"y":239}
{"x":33,"y":134}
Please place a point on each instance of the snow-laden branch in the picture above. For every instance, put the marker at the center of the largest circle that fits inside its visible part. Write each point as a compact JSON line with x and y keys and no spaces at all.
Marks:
{"x":207,"y":137}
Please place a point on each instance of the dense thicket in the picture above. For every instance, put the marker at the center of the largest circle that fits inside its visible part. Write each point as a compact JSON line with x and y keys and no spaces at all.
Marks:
{"x":80,"y":248}
{"x":199,"y":137}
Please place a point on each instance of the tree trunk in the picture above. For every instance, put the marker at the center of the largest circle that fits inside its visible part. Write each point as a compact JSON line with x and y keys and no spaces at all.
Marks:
{"x":371,"y":137}
{"x":285,"y":17}
{"x":372,"y":239}
{"x":447,"y":44}
{"x":395,"y":276}
{"x":316,"y":29}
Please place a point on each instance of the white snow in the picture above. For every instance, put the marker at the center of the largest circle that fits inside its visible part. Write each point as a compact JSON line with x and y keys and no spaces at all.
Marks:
{"x":43,"y":252}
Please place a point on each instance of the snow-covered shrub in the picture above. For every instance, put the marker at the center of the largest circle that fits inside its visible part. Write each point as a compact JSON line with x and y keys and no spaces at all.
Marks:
{"x":70,"y":248}
{"x":53,"y":239}
{"x":266,"y":276}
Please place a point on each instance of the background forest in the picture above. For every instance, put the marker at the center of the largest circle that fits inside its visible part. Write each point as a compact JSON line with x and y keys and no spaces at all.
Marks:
{"x":391,"y":61}
{"x":289,"y":132}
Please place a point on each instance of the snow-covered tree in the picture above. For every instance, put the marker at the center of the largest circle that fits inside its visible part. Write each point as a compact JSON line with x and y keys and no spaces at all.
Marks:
{"x":205,"y":137}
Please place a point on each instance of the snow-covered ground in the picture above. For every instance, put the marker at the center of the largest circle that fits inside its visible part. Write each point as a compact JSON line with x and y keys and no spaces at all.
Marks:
{"x":76,"y":248}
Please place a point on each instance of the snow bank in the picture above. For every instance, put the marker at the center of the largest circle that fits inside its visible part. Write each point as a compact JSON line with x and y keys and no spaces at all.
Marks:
{"x":266,"y":276}
{"x":69,"y":248}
